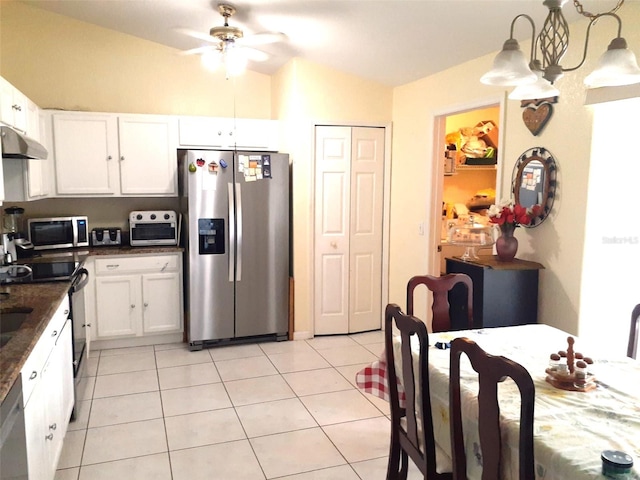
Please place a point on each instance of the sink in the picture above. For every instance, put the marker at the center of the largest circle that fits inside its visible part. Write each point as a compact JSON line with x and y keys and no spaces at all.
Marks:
{"x":10,"y":321}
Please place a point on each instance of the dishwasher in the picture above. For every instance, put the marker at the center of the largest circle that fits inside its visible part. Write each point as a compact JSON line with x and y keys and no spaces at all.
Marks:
{"x":13,"y":440}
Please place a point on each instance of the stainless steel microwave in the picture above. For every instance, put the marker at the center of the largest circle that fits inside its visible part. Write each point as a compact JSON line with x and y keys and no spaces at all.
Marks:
{"x":58,"y":232}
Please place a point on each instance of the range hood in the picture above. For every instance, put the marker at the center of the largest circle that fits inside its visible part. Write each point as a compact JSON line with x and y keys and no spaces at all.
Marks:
{"x":18,"y":145}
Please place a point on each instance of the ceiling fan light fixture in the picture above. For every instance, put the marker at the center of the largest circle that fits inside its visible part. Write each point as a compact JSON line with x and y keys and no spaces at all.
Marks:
{"x":510,"y":67}
{"x":235,"y":63}
{"x":211,"y":60}
{"x":616,"y":67}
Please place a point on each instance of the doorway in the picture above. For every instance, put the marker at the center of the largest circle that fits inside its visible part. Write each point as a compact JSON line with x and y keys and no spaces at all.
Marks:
{"x":348,"y":224}
{"x":467,"y":180}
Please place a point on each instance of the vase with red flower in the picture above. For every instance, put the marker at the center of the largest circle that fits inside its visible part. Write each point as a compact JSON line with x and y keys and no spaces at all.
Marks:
{"x":508,"y":216}
{"x":507,"y":243}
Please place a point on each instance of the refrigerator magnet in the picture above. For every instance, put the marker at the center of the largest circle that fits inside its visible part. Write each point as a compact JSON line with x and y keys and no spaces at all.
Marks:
{"x":223,"y":164}
{"x":213,"y":167}
{"x":200,"y":162}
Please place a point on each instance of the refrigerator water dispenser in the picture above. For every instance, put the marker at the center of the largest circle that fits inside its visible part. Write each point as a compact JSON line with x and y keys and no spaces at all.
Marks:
{"x":211,"y":236}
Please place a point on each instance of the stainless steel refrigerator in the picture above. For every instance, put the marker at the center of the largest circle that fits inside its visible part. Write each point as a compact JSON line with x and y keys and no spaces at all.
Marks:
{"x":235,"y":217}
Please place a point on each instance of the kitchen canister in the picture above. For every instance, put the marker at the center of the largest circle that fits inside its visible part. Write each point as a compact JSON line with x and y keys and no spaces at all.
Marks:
{"x":616,"y":464}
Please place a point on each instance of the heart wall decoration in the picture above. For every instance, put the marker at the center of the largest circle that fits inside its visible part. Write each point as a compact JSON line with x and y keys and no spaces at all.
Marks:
{"x":537,"y":113}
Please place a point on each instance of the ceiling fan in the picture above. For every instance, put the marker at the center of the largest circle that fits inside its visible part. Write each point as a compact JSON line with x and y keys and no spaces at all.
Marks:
{"x":229,"y":47}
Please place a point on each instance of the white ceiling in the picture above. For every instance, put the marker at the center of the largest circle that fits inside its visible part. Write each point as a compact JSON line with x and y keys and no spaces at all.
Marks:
{"x":392,"y":41}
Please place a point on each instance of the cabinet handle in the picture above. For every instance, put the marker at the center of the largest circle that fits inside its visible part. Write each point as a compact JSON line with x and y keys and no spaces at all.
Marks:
{"x":219,"y":133}
{"x":85,"y":325}
{"x":164,"y":267}
{"x":33,"y":375}
{"x":146,"y":304}
{"x":334,"y":244}
{"x":231,"y":134}
{"x":66,"y":312}
{"x":55,"y":332}
{"x":121,"y":157}
{"x":17,"y":107}
{"x":114,"y":265}
{"x":53,"y":426}
{"x":109,"y":157}
{"x":49,"y":437}
{"x":133,"y":305}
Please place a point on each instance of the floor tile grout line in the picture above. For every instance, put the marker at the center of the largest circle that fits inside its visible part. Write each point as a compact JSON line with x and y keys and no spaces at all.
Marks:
{"x":164,"y":417}
{"x":281,"y":374}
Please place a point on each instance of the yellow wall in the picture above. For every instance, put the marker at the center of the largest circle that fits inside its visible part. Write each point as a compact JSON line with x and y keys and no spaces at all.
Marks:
{"x":558,"y":242}
{"x":59,"y":62}
{"x":306,"y":94}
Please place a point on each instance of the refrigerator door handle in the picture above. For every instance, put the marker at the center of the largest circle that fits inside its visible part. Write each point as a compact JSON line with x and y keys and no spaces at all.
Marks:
{"x":232,"y":235}
{"x":239,"y":231}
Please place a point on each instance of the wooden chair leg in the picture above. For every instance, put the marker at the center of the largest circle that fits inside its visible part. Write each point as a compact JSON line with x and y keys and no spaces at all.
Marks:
{"x":404,"y":468}
{"x":393,"y":467}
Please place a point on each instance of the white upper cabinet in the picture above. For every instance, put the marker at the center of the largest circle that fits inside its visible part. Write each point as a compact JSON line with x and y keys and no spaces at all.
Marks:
{"x":26,"y":180}
{"x":228,"y":133}
{"x":147,"y":155}
{"x":13,"y":106}
{"x":110,"y":154}
{"x":86,"y":151}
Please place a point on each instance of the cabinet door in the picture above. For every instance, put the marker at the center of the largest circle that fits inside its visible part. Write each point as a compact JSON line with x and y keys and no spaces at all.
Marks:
{"x":58,"y":379}
{"x":118,"y":308}
{"x":35,"y":423}
{"x":13,"y":106}
{"x":148,"y":162}
{"x":162,"y":306}
{"x":6,"y":102}
{"x":207,"y":132}
{"x":86,"y":154}
{"x":254,"y":134}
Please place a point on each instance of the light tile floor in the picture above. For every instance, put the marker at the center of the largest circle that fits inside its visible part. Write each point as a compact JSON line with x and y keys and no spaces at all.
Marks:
{"x":285,"y":410}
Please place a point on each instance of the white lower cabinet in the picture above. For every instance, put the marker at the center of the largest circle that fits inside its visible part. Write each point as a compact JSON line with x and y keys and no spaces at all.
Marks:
{"x":138,"y":295}
{"x":47,"y":379}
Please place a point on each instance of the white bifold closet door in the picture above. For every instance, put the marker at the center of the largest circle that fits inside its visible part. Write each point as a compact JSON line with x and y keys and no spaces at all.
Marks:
{"x":349,"y":187}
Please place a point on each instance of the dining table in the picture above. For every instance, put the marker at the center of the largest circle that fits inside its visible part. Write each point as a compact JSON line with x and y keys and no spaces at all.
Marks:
{"x":571,"y":428}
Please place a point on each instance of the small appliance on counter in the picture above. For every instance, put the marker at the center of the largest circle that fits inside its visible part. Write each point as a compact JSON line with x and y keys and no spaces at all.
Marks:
{"x":153,"y":228}
{"x":14,"y":242}
{"x":106,"y":236}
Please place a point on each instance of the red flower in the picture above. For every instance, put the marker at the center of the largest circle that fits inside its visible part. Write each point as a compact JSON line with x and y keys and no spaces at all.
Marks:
{"x":513,"y":214}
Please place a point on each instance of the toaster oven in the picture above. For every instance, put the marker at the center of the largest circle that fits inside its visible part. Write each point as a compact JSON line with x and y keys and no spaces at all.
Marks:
{"x":153,"y":227}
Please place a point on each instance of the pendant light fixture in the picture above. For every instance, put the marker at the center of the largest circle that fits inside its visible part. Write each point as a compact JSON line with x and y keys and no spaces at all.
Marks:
{"x":534,"y":79}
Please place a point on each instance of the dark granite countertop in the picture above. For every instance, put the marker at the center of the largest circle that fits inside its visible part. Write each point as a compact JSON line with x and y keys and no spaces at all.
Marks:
{"x":45,"y":298}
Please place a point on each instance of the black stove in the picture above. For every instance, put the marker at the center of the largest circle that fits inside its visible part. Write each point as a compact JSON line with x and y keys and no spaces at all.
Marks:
{"x":41,"y":271}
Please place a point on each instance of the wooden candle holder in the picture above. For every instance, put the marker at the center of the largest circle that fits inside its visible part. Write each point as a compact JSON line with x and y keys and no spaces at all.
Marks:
{"x":570,"y":380}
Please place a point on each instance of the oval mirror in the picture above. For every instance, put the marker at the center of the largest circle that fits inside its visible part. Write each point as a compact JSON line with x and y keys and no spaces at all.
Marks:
{"x":534,"y":182}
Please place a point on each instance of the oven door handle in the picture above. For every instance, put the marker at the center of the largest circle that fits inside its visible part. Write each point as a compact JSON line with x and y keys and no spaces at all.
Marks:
{"x":81,"y":278}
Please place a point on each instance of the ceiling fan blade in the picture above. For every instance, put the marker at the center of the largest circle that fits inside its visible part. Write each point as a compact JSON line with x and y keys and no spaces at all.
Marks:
{"x":253,"y":54}
{"x":194,"y":51}
{"x":195,"y":34}
{"x":262,"y":38}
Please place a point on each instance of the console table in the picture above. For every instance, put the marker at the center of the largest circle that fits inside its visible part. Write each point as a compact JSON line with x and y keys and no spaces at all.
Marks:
{"x":504,"y":293}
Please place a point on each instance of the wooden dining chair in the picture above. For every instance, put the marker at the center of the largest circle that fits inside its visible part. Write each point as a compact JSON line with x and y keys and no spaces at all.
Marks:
{"x":632,"y":350}
{"x":491,"y":370}
{"x":412,"y":426}
{"x":441,"y":308}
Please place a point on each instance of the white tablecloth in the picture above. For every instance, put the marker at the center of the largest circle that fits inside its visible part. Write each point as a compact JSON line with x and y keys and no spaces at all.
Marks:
{"x":571,"y":428}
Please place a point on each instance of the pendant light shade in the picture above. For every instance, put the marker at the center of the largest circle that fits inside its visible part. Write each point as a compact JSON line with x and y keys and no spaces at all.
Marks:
{"x":510,"y":67}
{"x":617,"y":66}
{"x":541,"y":88}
